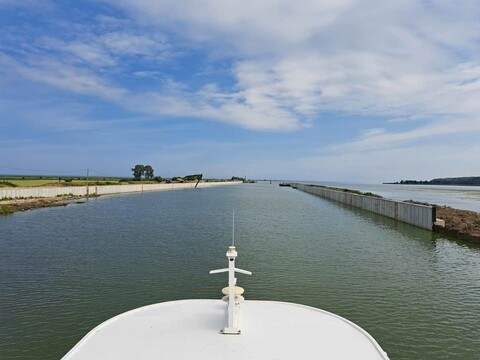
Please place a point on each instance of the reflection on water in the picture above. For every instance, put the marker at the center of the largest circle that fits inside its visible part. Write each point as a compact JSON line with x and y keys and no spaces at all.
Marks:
{"x":64,"y":270}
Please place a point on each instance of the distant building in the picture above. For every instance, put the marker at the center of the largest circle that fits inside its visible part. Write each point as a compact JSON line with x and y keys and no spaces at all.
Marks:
{"x":195,"y":177}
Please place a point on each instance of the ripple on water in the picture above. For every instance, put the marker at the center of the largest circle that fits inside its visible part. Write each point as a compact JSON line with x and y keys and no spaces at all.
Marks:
{"x":65,"y":270}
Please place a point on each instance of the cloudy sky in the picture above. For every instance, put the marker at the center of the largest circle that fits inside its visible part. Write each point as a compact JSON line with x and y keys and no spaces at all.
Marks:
{"x":352,"y":90}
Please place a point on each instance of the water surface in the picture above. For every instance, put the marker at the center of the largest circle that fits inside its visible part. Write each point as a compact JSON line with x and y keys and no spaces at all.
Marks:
{"x":65,"y":270}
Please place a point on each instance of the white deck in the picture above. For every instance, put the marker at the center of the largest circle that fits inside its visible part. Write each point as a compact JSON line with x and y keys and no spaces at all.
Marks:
{"x":189,"y":329}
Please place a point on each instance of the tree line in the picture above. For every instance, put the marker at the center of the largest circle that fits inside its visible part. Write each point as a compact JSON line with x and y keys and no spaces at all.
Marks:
{"x":467,"y":180}
{"x":145,"y":171}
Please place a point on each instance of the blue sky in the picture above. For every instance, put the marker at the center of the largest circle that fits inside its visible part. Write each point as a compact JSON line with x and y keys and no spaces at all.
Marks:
{"x":346,"y":90}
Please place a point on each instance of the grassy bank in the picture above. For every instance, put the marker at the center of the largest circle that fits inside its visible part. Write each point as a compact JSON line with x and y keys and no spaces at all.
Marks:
{"x":10,"y":206}
{"x":350,"y":191}
{"x":6,"y":209}
{"x":49,"y":181}
{"x":463,"y":224}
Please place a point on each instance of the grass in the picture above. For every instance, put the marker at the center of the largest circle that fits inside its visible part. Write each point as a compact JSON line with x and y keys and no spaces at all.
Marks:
{"x":477,"y":222}
{"x":356,"y":192}
{"x":372,"y":195}
{"x":6,"y":198}
{"x":69,"y":195}
{"x":33,"y":181}
{"x":6,"y":210}
{"x":5,"y":183}
{"x":92,"y":182}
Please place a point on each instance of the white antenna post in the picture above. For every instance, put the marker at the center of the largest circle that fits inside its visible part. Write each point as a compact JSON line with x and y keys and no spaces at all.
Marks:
{"x":233,"y":227}
{"x":234,"y":292}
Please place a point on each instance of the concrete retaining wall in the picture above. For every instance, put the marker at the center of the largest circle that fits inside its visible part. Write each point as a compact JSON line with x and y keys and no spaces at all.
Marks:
{"x":418,"y":215}
{"x":102,"y":189}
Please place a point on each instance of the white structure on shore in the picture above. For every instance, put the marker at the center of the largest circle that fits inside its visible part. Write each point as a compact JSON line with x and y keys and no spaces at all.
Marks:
{"x":46,"y":192}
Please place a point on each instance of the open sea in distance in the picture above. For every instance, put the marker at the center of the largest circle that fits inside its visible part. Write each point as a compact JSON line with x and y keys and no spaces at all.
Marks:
{"x":65,"y":270}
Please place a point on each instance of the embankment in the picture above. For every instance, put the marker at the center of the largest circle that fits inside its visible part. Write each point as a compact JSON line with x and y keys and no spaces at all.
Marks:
{"x":463,"y":224}
{"x":49,"y":192}
{"x":21,"y":199}
{"x":415,"y":214}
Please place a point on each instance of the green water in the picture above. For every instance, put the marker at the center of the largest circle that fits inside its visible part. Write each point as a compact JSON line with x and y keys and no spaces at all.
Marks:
{"x":65,"y":270}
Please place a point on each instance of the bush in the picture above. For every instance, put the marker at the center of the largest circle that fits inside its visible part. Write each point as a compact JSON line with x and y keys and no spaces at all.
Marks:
{"x":7,"y":183}
{"x":372,"y":195}
{"x":99,"y":183}
{"x":6,"y":210}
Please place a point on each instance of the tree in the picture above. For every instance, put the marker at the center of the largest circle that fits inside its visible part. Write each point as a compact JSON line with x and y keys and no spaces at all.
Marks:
{"x":148,"y":171}
{"x":138,"y":171}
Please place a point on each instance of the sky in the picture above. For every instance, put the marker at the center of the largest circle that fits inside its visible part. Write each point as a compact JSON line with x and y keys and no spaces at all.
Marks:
{"x":349,"y":90}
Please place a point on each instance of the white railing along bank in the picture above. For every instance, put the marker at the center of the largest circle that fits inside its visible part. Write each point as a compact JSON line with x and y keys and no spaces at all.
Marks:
{"x":102,"y":189}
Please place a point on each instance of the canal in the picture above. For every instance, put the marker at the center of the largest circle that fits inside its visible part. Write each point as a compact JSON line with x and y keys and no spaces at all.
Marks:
{"x":65,"y":270}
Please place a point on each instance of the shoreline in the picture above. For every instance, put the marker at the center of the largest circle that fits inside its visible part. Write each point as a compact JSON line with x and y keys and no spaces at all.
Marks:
{"x":462,"y":224}
{"x":23,"y":199}
{"x":424,"y":184}
{"x":12,"y":206}
{"x":92,"y":190}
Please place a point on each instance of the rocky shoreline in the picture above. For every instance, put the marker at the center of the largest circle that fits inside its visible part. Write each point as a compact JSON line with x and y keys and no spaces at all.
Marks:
{"x":463,"y":224}
{"x":11,"y":206}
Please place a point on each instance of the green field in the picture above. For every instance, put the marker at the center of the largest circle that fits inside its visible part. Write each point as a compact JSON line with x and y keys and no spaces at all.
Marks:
{"x":54,"y":181}
{"x":36,"y":181}
{"x":33,"y":182}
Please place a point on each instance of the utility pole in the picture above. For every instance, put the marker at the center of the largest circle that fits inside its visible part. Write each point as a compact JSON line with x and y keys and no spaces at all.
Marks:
{"x":87,"y":183}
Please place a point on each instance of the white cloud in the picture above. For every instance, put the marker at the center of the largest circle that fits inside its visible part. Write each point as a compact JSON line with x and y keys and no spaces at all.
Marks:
{"x":380,"y":139}
{"x":122,"y":43}
{"x":148,"y":74}
{"x":291,"y":62}
{"x":108,"y":49}
{"x":52,"y":72}
{"x":248,"y":26}
{"x":36,"y":4}
{"x":393,"y":59}
{"x":224,"y":108}
{"x":258,"y":112}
